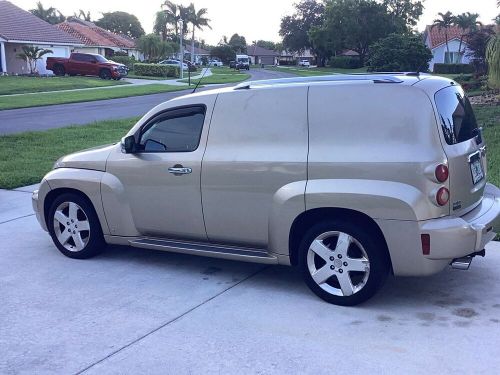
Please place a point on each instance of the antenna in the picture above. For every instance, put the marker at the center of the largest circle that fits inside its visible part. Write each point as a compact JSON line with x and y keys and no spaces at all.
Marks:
{"x":199,"y":81}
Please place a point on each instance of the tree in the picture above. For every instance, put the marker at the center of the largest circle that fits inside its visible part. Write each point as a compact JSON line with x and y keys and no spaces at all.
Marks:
{"x":477,"y":42}
{"x":356,"y":24}
{"x":224,"y":52}
{"x":238,"y":43}
{"x":31,"y":55}
{"x":324,"y":43}
{"x":82,"y":15}
{"x":198,"y":21}
{"x":172,"y":16}
{"x":154,"y":48}
{"x":467,"y":22}
{"x":121,"y":23}
{"x":265,"y":44}
{"x":445,"y":22}
{"x":493,"y":60}
{"x":404,"y":13}
{"x":295,"y":29}
{"x":400,"y":53}
{"x":50,"y":15}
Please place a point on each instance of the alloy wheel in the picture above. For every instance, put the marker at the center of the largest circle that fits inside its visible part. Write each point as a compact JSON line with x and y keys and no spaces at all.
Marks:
{"x":71,"y":226}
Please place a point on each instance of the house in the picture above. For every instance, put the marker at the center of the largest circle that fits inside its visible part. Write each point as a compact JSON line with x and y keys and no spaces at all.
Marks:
{"x":292,"y":58}
{"x":98,"y":40}
{"x":435,"y":40}
{"x":199,"y":54}
{"x":259,"y":55}
{"x":18,"y":28}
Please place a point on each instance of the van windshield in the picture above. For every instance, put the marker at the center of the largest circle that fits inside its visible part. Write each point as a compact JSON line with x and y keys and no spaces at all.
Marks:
{"x":456,"y":116}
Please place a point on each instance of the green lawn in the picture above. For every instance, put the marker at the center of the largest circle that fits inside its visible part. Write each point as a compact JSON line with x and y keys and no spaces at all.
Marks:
{"x":22,"y":85}
{"x":34,"y":100}
{"x":26,"y":157}
{"x":135,"y":76}
{"x":307,"y":72}
{"x":221,"y":75}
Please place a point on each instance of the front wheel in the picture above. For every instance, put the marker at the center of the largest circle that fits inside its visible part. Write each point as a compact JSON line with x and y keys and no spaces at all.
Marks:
{"x":74,"y":227}
{"x":105,"y":74}
{"x":343,"y":263}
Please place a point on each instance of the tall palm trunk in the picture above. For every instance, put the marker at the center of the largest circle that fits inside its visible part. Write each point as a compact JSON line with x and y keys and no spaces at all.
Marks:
{"x":447,"y":45}
{"x":192,"y":47}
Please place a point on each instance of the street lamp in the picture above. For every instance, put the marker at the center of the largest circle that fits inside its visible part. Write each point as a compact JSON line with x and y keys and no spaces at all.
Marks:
{"x":181,"y":48}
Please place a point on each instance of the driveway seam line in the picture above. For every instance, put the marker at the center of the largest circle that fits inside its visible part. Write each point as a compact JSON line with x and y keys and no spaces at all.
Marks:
{"x":17,"y":218}
{"x":173,"y":320}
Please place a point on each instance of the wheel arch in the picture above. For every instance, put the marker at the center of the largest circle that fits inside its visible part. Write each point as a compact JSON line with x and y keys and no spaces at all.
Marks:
{"x":53,"y":194}
{"x":313,"y":216}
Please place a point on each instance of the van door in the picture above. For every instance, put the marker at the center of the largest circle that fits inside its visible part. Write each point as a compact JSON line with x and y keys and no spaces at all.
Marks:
{"x":257,"y":145}
{"x":464,"y":146}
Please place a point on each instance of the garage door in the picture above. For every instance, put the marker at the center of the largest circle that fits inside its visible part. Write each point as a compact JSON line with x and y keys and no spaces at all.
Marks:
{"x":267,"y":60}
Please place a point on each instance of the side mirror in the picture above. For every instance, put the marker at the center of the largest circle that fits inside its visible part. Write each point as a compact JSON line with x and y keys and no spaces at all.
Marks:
{"x":129,"y":145}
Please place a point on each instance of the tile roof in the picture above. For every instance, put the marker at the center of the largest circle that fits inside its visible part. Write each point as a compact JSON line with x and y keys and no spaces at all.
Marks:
{"x":255,"y":50}
{"x":197,"y":51}
{"x":18,"y":24}
{"x":91,"y":35}
{"x":437,"y":35}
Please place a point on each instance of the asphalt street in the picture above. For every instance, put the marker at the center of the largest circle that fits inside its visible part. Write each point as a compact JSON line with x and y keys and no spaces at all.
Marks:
{"x":133,"y":311}
{"x":56,"y":116}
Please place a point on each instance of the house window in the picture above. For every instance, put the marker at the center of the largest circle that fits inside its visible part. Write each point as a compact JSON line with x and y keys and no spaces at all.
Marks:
{"x":452,"y":57}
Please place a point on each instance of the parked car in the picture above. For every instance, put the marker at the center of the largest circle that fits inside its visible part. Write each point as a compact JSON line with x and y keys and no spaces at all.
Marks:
{"x":304,"y":63}
{"x":350,"y":192}
{"x":173,"y":62}
{"x":86,"y":64}
{"x":232,"y":64}
{"x":215,"y":62}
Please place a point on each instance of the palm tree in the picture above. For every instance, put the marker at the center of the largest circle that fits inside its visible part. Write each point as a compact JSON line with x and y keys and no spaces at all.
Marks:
{"x":31,"y":55}
{"x":50,"y":15}
{"x":467,"y":22}
{"x":82,"y":15}
{"x":172,"y":15}
{"x":161,"y":24}
{"x":444,"y":22}
{"x":493,"y":59}
{"x":198,"y":21}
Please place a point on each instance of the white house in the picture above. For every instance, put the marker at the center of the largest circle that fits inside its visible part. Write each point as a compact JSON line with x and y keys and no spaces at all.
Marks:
{"x":435,"y":40}
{"x":19,"y":28}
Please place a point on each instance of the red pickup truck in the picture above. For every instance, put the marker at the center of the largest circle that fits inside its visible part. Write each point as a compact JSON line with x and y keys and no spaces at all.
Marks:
{"x":86,"y":64}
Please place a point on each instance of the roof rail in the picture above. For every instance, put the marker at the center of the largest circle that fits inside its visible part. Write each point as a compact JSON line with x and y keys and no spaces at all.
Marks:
{"x":377,"y":78}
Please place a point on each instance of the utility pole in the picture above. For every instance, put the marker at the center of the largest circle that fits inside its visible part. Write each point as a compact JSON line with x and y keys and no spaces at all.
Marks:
{"x":181,"y":49}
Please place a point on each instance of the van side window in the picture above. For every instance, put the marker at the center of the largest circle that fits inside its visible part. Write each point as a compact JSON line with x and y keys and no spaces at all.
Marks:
{"x":456,"y":116}
{"x":175,"y":131}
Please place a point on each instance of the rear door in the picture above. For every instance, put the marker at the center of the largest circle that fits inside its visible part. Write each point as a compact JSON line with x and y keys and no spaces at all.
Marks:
{"x":464,"y":147}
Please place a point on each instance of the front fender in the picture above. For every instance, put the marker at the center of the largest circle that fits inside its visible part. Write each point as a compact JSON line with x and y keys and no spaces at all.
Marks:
{"x":86,"y":181}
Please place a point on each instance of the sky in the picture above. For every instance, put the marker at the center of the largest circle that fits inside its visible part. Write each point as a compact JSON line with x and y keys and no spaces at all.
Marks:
{"x":254,"y":19}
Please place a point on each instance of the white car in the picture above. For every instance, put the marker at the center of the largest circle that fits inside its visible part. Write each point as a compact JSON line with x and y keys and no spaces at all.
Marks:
{"x":175,"y":63}
{"x":304,"y":63}
{"x":215,"y":63}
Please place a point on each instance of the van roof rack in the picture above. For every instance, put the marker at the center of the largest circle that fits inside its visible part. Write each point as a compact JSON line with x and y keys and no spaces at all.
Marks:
{"x":377,"y":78}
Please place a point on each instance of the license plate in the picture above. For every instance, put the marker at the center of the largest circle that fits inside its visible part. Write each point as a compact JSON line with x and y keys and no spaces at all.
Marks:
{"x":476,"y":168}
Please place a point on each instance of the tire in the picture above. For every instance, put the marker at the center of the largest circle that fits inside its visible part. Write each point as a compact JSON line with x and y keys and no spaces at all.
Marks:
{"x":74,"y":227}
{"x":59,"y":70}
{"x":343,"y":275}
{"x":105,"y":74}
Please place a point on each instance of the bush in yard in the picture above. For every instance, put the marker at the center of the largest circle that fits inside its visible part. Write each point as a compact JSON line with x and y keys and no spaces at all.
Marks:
{"x":453,"y":68}
{"x":345,"y":62}
{"x":399,"y":53}
{"x":156,"y":70}
{"x":125,"y":60}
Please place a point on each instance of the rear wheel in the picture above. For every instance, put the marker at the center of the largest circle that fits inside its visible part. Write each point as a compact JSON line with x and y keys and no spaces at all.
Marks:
{"x":74,"y":227}
{"x":59,"y":70}
{"x":343,"y":263}
{"x":105,"y":74}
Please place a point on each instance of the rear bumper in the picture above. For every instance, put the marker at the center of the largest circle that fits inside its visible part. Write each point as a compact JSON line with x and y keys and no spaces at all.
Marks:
{"x":450,"y":237}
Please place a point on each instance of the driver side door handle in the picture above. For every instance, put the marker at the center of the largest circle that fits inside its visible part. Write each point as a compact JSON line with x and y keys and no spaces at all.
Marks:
{"x":179,"y":170}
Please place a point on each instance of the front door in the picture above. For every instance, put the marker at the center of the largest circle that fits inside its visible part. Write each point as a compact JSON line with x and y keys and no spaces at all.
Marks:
{"x":161,"y":182}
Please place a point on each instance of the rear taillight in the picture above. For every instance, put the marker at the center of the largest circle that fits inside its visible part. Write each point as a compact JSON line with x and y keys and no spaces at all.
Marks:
{"x":442,"y":196}
{"x":441,"y":173}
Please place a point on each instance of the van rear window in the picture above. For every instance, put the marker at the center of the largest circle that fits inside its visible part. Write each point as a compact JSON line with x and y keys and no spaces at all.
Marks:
{"x":455,"y":115}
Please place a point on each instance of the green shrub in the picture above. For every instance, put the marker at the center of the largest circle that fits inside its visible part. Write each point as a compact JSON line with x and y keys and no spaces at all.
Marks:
{"x":125,"y":60}
{"x":453,"y":69}
{"x":345,"y":62}
{"x":156,"y":70}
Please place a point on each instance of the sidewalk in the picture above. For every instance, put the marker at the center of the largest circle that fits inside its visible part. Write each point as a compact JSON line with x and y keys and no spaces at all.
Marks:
{"x":132,"y":82}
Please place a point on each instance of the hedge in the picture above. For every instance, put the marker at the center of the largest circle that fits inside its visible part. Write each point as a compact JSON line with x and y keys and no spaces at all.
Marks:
{"x":453,"y":68}
{"x":125,"y":60}
{"x":156,"y":70}
{"x":345,"y":62}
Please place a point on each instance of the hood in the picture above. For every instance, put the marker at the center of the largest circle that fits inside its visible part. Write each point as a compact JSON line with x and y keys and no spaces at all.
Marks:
{"x":113,"y":63}
{"x":92,"y":158}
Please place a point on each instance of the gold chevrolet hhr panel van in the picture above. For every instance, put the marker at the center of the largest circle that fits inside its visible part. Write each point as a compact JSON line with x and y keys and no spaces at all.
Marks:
{"x":351,"y":178}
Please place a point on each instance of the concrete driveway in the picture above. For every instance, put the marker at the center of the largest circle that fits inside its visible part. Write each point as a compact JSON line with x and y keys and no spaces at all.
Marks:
{"x":57,"y":116}
{"x":132,"y":311}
